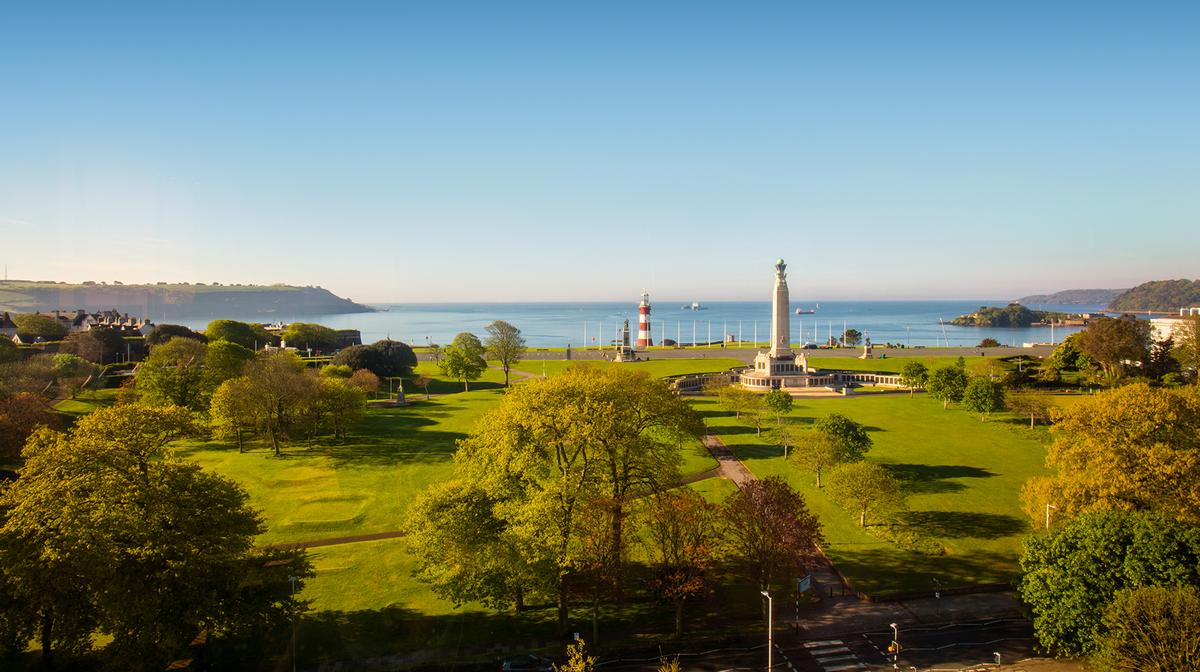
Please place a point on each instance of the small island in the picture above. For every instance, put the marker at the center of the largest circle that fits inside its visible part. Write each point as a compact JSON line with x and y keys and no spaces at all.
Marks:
{"x":1012,"y":315}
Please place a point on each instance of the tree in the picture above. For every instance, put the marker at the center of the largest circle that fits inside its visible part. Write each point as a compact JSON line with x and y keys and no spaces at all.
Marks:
{"x":577,"y":659}
{"x":173,"y":374}
{"x":280,"y":391}
{"x":34,"y":326}
{"x":769,"y":529}
{"x":165,"y":332}
{"x":101,"y":346}
{"x":1115,"y":343}
{"x":947,"y":384}
{"x":815,"y":451}
{"x":1150,"y":628}
{"x":340,"y":403}
{"x":852,"y":337}
{"x":682,"y":540}
{"x":463,"y":359}
{"x":505,"y":344}
{"x":1036,"y":406}
{"x":364,"y":380}
{"x":386,"y":358}
{"x":423,"y":383}
{"x":35,"y":375}
{"x":737,"y":399}
{"x":914,"y":375}
{"x":989,"y":343}
{"x":104,"y":530}
{"x":1187,"y":347}
{"x":73,"y":372}
{"x":233,"y":410}
{"x":20,"y":416}
{"x":223,"y":360}
{"x":779,"y":403}
{"x":588,"y":438}
{"x":1066,"y":356}
{"x":1130,"y":448}
{"x":310,"y":336}
{"x":983,"y":396}
{"x":9,"y":352}
{"x":1069,"y":577}
{"x":851,"y":437}
{"x":466,"y":551}
{"x":787,"y":435}
{"x":865,"y":487}
{"x":234,"y":332}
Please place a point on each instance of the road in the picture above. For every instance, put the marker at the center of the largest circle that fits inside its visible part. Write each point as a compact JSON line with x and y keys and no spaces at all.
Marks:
{"x":956,"y":646}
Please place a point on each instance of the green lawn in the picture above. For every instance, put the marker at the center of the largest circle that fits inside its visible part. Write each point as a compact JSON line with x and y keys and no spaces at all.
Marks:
{"x":655,"y":367}
{"x":964,"y":477}
{"x":319,"y":489}
{"x":894,"y":364}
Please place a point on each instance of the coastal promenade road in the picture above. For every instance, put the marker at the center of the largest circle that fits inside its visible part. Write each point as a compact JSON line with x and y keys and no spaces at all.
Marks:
{"x":747,"y":354}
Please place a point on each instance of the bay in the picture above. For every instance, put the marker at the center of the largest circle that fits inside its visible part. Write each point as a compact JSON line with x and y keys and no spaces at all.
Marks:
{"x":910,"y":323}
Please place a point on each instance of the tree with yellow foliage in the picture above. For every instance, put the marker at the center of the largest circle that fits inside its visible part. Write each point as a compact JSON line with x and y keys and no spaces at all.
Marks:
{"x":1132,"y":448}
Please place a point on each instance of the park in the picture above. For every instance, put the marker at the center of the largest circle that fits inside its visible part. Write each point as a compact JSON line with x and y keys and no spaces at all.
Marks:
{"x":964,"y":477}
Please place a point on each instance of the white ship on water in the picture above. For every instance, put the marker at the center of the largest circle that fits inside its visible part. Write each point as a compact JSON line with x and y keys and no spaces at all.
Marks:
{"x":695,"y":306}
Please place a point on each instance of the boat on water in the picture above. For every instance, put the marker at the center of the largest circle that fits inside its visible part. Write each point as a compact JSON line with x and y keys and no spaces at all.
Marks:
{"x":801,"y":311}
{"x":695,"y":306}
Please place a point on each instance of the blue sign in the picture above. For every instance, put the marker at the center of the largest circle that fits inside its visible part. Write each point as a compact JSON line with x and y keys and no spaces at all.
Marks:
{"x":803,"y":585}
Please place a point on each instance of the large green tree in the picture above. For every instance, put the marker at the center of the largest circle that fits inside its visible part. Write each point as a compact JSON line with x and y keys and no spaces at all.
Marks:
{"x":386,"y":358}
{"x":1131,"y":448}
{"x":590,"y":439}
{"x":97,"y":345}
{"x":252,"y":336}
{"x":35,"y":326}
{"x":947,"y":384}
{"x":463,"y":359}
{"x":308,"y":336}
{"x":914,"y":375}
{"x":983,"y":396}
{"x":173,"y":374}
{"x":104,"y":532}
{"x":505,"y":344}
{"x":1070,"y":577}
{"x":864,"y":488}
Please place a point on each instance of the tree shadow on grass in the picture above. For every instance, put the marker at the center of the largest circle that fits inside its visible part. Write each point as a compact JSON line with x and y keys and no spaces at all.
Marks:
{"x":378,"y":440}
{"x":961,"y":524}
{"x":887,"y":569}
{"x":926,"y":479}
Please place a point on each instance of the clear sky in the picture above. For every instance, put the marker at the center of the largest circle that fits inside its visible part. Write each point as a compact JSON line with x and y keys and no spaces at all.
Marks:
{"x":505,"y":151}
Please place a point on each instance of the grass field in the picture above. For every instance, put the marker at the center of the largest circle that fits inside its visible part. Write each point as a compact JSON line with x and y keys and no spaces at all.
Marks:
{"x":895,"y":364}
{"x":659,"y":368}
{"x":964,"y":477}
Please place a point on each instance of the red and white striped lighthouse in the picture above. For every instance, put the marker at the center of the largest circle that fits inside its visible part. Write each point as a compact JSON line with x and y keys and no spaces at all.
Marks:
{"x":644,"y":338}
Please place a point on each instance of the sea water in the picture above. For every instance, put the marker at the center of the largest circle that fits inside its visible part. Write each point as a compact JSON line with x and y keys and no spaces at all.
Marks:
{"x":910,"y":323}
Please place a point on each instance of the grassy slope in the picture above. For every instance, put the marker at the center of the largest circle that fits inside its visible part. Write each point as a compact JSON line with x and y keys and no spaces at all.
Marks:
{"x":365,"y":485}
{"x":964,"y":476}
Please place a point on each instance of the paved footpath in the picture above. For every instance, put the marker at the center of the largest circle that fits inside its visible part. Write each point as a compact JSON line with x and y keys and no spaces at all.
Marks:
{"x":842,"y":611}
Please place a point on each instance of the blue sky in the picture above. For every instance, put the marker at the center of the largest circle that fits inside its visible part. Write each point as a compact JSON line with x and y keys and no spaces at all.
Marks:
{"x":555,"y":151}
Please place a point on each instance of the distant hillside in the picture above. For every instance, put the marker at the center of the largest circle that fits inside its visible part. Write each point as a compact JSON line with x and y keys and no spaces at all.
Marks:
{"x":1077,"y":297}
{"x":1159,"y":295}
{"x":175,"y":301}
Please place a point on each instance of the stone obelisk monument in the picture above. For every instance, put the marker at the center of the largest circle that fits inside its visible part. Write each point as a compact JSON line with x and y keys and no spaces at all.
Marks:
{"x":780,"y":319}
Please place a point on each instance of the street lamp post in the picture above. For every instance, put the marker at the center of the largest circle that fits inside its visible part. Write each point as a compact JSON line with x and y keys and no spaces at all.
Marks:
{"x":1048,"y":507}
{"x":770,"y":630}
{"x":895,"y":646}
{"x":292,"y":579}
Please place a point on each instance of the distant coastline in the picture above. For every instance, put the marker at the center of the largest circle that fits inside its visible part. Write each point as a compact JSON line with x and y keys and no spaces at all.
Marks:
{"x":175,"y":301}
{"x":1074,"y":297}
